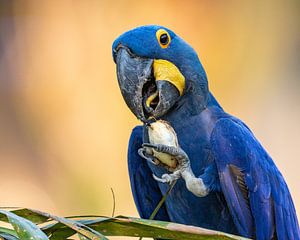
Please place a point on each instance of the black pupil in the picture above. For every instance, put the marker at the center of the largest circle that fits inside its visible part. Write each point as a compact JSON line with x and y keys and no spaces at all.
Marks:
{"x":164,"y":39}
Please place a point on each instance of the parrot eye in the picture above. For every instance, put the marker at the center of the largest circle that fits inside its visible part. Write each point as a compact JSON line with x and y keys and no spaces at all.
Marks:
{"x":163,"y":38}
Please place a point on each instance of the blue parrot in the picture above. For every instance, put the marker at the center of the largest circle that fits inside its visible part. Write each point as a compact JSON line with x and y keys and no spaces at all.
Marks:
{"x":227,"y":181}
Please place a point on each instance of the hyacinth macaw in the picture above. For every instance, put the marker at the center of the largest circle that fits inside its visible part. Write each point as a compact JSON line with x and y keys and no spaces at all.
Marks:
{"x":228,"y":182}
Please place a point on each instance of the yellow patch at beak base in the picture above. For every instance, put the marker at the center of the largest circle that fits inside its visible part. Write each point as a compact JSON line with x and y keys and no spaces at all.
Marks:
{"x":165,"y":70}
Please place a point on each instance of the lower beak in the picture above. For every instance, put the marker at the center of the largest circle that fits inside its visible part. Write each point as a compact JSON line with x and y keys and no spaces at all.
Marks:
{"x":162,"y":100}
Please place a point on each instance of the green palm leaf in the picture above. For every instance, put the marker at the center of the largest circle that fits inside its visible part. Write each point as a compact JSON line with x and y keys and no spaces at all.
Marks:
{"x":23,"y":227}
{"x":97,"y":227}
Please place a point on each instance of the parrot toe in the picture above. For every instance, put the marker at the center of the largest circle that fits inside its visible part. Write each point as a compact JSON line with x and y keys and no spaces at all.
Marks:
{"x":146,"y":155}
{"x":168,"y":178}
{"x":177,"y":152}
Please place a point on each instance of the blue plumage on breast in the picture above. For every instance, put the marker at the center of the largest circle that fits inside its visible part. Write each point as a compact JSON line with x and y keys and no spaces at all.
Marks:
{"x":183,"y":206}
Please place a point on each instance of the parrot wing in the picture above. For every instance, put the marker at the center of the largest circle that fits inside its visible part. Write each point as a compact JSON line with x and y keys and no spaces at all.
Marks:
{"x":145,"y":190}
{"x":255,"y":191}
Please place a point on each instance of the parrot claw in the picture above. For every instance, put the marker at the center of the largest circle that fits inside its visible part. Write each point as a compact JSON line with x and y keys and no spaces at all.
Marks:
{"x":177,"y":152}
{"x":168,"y":178}
{"x":174,"y":151}
{"x":148,"y":158}
{"x":159,"y":179}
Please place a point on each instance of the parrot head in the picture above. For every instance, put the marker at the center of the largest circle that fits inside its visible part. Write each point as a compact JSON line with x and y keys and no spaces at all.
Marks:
{"x":157,"y":71}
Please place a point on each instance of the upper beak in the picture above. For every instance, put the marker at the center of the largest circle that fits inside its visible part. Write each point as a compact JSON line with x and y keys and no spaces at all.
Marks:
{"x":132,"y":72}
{"x":145,"y":96}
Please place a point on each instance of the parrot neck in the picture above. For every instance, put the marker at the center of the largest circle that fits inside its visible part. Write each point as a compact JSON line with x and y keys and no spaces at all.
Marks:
{"x":191,"y":105}
{"x":196,"y":96}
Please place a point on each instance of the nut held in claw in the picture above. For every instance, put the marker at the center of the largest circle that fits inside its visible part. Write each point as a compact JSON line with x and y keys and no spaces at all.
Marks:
{"x":161,"y":132}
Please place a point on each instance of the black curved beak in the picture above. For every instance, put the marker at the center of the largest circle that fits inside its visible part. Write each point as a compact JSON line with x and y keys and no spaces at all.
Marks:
{"x":145,"y":96}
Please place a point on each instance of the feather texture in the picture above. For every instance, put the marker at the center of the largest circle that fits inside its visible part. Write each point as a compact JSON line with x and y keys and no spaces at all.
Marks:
{"x":248,"y":173}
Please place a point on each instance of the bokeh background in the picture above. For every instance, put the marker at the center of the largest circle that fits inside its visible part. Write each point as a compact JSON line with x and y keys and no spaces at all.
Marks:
{"x":64,"y":127}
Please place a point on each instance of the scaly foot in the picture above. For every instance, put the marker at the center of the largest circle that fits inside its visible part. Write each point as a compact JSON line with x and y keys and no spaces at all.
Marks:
{"x":183,"y":169}
{"x":181,"y":157}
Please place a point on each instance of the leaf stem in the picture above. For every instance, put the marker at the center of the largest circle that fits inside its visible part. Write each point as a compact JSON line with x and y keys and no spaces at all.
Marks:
{"x":161,"y":202}
{"x":114,"y":202}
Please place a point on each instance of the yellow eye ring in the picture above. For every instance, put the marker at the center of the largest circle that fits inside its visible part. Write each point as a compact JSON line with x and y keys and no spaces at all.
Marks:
{"x":163,"y":38}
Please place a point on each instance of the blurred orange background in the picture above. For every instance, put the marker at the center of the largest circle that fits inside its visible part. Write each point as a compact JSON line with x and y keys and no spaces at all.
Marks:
{"x":64,"y":126}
